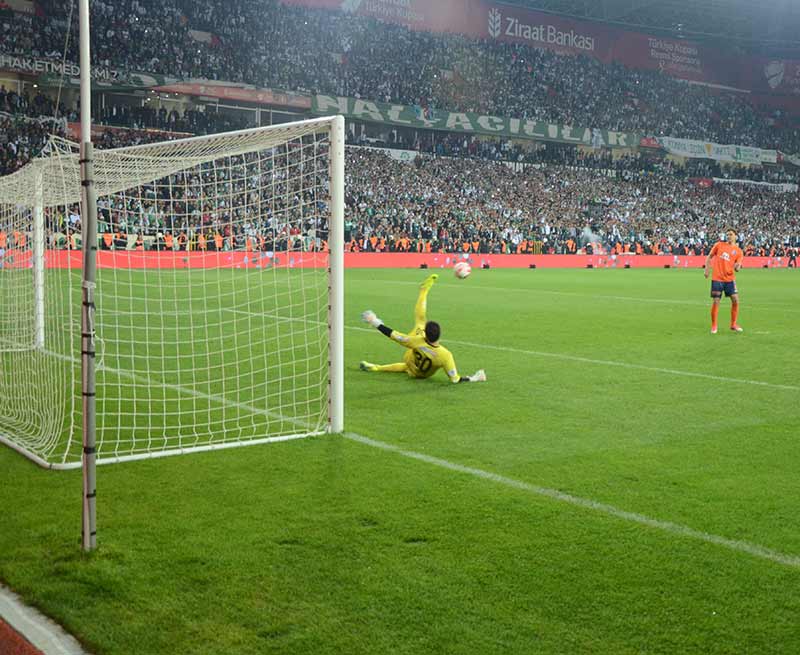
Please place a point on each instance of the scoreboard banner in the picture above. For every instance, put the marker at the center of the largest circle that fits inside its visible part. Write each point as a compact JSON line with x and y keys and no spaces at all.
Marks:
{"x":470,"y":123}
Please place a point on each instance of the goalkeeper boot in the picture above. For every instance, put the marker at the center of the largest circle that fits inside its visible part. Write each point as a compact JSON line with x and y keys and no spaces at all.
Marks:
{"x":428,"y":282}
{"x":367,"y":366}
{"x":478,"y":376}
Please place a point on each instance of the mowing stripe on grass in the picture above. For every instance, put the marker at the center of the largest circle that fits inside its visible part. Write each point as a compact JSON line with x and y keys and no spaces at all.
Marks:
{"x":665,"y":526}
{"x":608,"y":362}
{"x":531,"y":353}
{"x":599,"y":296}
{"x":640,"y":367}
{"x":573,"y":358}
{"x":658,"y":301}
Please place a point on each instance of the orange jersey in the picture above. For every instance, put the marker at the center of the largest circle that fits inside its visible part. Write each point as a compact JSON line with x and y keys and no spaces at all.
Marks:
{"x":724,"y":257}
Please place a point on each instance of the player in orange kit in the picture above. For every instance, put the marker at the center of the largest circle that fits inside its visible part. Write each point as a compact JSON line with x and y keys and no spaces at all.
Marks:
{"x":726,"y":258}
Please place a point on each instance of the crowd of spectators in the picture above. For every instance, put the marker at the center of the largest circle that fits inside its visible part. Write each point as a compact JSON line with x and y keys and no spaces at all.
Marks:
{"x":435,"y":204}
{"x":262,"y":201}
{"x":274,"y":45}
{"x":537,"y":152}
{"x":26,"y":126}
{"x":465,"y":198}
{"x":189,"y":121}
{"x":139,"y":119}
{"x":22,"y":104}
{"x":713,"y":169}
{"x":484,"y":206}
{"x":22,"y":139}
{"x":32,"y":120}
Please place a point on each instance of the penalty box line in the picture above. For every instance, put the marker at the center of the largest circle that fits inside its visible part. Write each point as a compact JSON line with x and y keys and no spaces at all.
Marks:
{"x":669,"y":527}
{"x":639,"y":367}
{"x":676,"y":529}
{"x":598,"y":296}
{"x":608,"y":362}
{"x":562,"y":356}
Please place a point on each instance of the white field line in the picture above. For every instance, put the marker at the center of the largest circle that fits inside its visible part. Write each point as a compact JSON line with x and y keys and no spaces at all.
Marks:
{"x":676,"y":529}
{"x":146,"y":380}
{"x":639,"y":367}
{"x":39,"y":630}
{"x":581,"y":360}
{"x":665,"y":526}
{"x":530,"y":353}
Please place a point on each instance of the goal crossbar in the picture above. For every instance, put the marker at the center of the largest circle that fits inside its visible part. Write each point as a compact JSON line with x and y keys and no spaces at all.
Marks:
{"x":118,"y":169}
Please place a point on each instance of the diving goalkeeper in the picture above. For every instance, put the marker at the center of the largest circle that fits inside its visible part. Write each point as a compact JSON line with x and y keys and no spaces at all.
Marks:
{"x":425,"y":355}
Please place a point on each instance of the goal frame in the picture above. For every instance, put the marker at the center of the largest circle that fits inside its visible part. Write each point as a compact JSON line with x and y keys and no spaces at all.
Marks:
{"x":335,"y":423}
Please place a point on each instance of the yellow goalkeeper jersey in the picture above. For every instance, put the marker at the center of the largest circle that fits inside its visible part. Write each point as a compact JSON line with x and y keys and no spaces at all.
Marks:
{"x":423,"y":360}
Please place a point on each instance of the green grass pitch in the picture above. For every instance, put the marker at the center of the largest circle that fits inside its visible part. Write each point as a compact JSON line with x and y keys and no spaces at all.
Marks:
{"x":624,"y":482}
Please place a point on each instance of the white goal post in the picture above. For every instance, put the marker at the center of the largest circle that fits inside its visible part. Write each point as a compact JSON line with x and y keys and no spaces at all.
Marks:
{"x":219,"y":316}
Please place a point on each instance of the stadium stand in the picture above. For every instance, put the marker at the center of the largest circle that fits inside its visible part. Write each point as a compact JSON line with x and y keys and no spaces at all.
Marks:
{"x":463,"y":193}
{"x":442,"y":204}
{"x":278,"y":46}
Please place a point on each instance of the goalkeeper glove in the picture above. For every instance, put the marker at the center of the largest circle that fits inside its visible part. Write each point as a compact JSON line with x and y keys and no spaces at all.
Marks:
{"x":370,"y":317}
{"x":478,"y":376}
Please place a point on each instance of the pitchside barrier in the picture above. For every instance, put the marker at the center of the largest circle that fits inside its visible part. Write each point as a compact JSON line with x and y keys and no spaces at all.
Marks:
{"x":67,"y":259}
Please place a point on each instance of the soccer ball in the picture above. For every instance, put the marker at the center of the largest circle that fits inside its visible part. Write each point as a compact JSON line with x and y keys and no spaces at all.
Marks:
{"x":462,"y":270}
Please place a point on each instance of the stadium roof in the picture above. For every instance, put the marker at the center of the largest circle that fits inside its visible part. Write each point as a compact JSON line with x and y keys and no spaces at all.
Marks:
{"x":767,"y":27}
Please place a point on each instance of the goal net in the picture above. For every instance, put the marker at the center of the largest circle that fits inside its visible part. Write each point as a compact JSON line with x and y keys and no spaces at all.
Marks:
{"x":218,"y":295}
